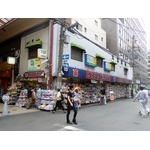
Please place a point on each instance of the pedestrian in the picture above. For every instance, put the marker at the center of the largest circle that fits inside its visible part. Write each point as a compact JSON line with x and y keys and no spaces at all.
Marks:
{"x":141,"y":96}
{"x":132,"y":93}
{"x":39,"y":95}
{"x":76,"y":99}
{"x":146,"y":106}
{"x":103,"y":94}
{"x":70,"y":105}
{"x":58,"y":101}
{"x":29,"y":98}
{"x":63,"y":101}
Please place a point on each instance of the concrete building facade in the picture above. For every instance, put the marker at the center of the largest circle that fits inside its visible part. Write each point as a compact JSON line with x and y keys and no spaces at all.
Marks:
{"x":119,"y":37}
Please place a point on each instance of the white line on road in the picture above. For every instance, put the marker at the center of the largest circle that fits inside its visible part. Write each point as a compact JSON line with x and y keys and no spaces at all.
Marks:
{"x":70,"y":128}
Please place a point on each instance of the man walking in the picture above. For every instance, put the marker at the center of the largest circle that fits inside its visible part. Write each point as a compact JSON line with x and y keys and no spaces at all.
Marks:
{"x":141,"y":96}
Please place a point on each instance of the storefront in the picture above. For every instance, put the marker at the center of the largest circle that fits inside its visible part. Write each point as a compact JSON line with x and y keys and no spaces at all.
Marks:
{"x":5,"y":76}
{"x":91,"y":82}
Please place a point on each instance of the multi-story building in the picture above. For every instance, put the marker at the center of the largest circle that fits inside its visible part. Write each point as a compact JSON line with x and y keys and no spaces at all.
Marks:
{"x":126,"y":38}
{"x":148,"y":56}
{"x":91,"y":29}
{"x":83,"y":62}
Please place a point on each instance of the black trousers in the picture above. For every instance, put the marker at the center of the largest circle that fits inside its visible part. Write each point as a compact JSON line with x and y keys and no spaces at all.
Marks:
{"x":69,"y":108}
{"x":59,"y":105}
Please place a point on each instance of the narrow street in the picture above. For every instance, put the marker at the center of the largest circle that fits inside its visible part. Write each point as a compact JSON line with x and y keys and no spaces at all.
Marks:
{"x":121,"y":115}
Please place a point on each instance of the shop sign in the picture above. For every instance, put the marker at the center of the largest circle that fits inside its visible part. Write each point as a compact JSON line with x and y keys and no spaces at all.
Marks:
{"x":75,"y":73}
{"x":38,"y":74}
{"x":90,"y":60}
{"x":65,"y":57}
{"x":34,"y":64}
{"x":11,"y":60}
{"x":94,"y":81}
{"x":42,"y":53}
{"x":107,"y":66}
{"x":97,"y":76}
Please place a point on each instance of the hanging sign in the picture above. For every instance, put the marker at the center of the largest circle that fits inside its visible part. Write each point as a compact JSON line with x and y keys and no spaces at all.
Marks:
{"x":38,"y":74}
{"x":42,"y":53}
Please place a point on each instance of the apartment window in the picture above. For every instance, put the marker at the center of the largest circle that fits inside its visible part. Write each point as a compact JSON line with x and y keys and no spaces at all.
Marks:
{"x":33,"y":51}
{"x":99,"y":62}
{"x":79,"y":27}
{"x":85,"y":29}
{"x":102,"y":39}
{"x":96,"y":23}
{"x":76,"y":53}
{"x":96,"y":37}
{"x":125,"y":71}
{"x":113,"y":67}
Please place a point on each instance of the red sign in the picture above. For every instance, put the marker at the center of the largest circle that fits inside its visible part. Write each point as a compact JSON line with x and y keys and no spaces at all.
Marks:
{"x":97,"y":76}
{"x":38,"y":74}
{"x":75,"y":72}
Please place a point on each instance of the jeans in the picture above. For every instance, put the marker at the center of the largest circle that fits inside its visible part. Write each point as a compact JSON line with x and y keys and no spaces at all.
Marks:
{"x":68,"y":112}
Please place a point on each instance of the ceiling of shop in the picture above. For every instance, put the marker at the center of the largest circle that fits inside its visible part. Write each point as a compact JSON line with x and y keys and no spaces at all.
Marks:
{"x":10,"y":27}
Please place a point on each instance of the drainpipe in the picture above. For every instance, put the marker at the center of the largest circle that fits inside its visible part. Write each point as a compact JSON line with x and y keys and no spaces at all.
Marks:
{"x":50,"y":54}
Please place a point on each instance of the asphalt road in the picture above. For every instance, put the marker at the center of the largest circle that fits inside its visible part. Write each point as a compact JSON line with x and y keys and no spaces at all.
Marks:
{"x":121,"y":115}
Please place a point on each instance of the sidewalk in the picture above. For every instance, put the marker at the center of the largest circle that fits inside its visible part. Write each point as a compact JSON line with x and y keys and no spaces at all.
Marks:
{"x":13,"y":110}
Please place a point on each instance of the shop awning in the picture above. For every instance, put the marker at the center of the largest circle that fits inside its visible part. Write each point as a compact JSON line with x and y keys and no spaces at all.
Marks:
{"x":125,"y":67}
{"x":6,"y":21}
{"x":78,"y":46}
{"x":113,"y":62}
{"x":98,"y":55}
{"x":34,"y":43}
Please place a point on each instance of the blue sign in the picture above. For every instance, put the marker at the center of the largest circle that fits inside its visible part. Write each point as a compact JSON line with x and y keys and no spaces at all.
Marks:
{"x":65,"y":65}
{"x":65,"y":56}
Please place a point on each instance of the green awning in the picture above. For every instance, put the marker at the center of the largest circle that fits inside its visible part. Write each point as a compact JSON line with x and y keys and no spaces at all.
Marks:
{"x":98,"y":55}
{"x":125,"y":67}
{"x":34,"y":43}
{"x":113,"y":62}
{"x":78,"y":46}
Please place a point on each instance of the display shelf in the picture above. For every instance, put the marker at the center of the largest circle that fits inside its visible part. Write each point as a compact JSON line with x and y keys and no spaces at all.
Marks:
{"x":47,"y":100}
{"x":22,"y":100}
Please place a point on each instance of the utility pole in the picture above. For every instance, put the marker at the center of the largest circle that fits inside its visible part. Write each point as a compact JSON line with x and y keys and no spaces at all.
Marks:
{"x":61,"y":46}
{"x":133,"y":79}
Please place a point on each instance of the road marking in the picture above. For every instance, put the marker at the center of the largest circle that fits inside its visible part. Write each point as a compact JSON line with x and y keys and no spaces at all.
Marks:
{"x":70,"y":128}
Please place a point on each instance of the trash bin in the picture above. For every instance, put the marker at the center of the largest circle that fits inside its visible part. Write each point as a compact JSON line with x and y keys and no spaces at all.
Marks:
{"x":111,"y":96}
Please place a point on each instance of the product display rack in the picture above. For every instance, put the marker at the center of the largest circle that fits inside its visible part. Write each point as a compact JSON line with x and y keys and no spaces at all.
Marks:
{"x":22,"y":100}
{"x":47,"y":100}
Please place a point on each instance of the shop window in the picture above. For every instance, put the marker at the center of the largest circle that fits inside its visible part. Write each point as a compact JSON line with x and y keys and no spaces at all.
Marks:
{"x":99,"y":62}
{"x":33,"y":51}
{"x":76,"y":53}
